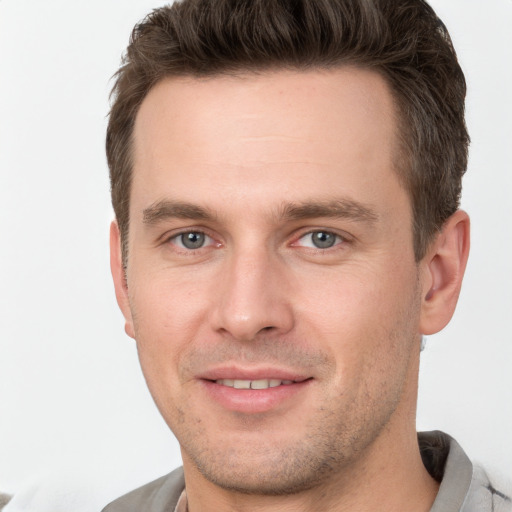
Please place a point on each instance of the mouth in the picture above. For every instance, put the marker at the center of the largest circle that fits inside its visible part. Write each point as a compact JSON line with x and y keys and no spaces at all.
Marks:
{"x":257,"y":393}
{"x":254,"y":384}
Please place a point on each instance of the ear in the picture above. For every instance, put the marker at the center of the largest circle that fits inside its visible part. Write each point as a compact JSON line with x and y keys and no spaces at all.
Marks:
{"x":442,"y":272}
{"x":119,"y":276}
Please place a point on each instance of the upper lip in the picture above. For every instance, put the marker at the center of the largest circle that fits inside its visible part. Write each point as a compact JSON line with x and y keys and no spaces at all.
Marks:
{"x":240,"y":373}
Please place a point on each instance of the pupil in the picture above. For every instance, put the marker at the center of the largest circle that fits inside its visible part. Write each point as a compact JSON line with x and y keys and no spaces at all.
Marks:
{"x":323,"y":240}
{"x":192,"y":240}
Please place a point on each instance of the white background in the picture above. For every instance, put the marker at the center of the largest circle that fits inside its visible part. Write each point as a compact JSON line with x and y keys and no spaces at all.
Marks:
{"x":73,"y":403}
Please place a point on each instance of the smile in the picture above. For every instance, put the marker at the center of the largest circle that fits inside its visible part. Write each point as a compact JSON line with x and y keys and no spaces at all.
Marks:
{"x":256,"y":395}
{"x":253,"y":384}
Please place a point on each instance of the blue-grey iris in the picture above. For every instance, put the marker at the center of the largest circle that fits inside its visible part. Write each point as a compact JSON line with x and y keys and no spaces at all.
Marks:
{"x":193,"y":240}
{"x":323,"y":239}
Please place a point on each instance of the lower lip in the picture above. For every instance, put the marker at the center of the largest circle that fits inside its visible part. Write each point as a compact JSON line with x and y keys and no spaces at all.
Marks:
{"x":253,"y":401}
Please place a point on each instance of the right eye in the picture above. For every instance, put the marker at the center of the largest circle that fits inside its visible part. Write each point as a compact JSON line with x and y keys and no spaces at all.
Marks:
{"x":191,"y":240}
{"x":320,"y":240}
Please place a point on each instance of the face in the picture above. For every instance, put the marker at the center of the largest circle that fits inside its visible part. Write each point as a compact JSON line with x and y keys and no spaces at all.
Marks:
{"x":271,"y":282}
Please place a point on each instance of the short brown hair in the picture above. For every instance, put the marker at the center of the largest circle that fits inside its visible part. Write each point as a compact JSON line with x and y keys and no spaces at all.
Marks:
{"x":403,"y":40}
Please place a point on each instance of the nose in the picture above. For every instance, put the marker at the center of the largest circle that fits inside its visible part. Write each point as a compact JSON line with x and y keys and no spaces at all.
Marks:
{"x":254,"y":296}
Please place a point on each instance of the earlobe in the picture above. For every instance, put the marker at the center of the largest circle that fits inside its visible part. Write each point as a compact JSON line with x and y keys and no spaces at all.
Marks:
{"x":119,"y":277}
{"x":443,"y":270}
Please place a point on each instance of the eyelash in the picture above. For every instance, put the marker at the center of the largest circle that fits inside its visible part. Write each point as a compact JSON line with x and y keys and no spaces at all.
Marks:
{"x":339,"y":240}
{"x":172,"y":240}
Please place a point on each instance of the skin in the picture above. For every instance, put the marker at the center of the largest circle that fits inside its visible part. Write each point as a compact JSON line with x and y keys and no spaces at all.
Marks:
{"x":258,"y":163}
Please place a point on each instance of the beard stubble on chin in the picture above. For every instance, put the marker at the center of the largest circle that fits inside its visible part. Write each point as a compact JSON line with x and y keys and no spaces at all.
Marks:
{"x":262,"y":460}
{"x":279,"y":467}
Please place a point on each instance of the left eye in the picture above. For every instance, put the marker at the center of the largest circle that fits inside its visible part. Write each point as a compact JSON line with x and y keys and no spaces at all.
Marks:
{"x":320,"y":240}
{"x":191,"y":240}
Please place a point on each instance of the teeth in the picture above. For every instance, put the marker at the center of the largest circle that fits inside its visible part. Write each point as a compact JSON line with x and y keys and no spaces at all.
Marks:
{"x":242,"y":384}
{"x":260,"y":384}
{"x":253,"y":384}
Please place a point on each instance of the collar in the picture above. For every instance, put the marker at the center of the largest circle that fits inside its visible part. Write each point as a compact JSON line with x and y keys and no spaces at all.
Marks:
{"x":447,"y":463}
{"x":182,"y":506}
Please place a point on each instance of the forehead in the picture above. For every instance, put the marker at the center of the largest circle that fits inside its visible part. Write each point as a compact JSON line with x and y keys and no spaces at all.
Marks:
{"x":270,"y":134}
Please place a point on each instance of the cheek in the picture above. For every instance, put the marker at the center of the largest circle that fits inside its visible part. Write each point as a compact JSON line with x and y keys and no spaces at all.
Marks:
{"x":167,"y":316}
{"x":364,"y":315}
{"x":165,"y":319}
{"x":353,"y":296}
{"x":166,"y":300}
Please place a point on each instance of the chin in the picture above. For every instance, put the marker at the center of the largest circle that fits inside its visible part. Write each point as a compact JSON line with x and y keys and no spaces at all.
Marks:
{"x":269,"y":468}
{"x":264,"y":481}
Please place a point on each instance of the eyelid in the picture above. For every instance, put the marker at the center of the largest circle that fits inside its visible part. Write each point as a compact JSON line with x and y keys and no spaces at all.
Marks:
{"x":342,"y":238}
{"x":170,"y":237}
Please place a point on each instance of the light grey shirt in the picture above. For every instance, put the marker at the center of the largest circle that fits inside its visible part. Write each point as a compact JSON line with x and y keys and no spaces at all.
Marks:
{"x":464,"y":487}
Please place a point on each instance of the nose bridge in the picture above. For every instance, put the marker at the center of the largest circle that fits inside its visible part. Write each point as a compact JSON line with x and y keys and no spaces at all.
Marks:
{"x":253,"y":294}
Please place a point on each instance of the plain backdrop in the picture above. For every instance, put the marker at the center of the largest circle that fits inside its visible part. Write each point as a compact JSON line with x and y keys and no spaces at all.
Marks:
{"x":73,"y":403}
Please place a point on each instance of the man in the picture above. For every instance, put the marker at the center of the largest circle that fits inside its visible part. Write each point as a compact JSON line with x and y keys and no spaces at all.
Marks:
{"x":286,"y":180}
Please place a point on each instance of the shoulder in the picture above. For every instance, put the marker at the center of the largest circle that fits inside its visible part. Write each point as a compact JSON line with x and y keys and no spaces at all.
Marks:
{"x":157,"y":496}
{"x":488,"y":491}
{"x":464,"y":486}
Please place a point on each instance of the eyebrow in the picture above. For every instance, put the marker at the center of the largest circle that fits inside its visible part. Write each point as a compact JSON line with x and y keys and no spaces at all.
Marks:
{"x":291,"y":211}
{"x":337,"y":209}
{"x":163,"y":210}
